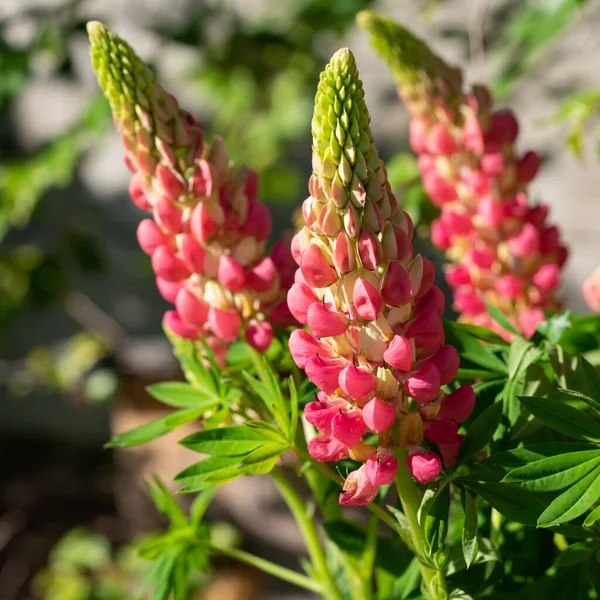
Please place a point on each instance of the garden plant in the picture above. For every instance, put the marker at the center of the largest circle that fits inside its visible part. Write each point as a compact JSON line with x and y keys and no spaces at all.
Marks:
{"x":469,"y":448}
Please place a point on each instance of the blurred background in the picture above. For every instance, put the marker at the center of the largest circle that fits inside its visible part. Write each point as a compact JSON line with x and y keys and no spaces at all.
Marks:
{"x":80,"y":333}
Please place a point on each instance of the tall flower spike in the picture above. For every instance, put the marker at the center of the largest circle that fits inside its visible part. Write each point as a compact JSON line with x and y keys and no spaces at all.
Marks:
{"x":207,"y":239}
{"x":502,"y":245}
{"x":379,"y":359}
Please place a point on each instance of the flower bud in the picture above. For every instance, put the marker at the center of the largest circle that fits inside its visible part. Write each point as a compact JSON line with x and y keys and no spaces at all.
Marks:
{"x":529,"y":320}
{"x":526,"y":243}
{"x":259,"y":334}
{"x":424,"y":466}
{"x":136,"y":191}
{"x":527,"y":167}
{"x":202,"y":225}
{"x":369,"y":250}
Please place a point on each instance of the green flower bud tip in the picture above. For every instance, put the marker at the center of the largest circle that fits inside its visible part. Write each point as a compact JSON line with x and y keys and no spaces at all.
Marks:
{"x":125,"y":80}
{"x":342,"y":138}
{"x":409,"y":58}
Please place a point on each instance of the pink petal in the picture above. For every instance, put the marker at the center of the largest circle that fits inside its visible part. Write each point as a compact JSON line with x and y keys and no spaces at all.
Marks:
{"x":259,"y":335}
{"x":423,"y":385}
{"x":367,"y":300}
{"x":458,"y":405}
{"x":356,"y":382}
{"x":230,"y":273}
{"x":440,"y":431}
{"x":324,"y":372}
{"x":192,"y":310}
{"x":424,"y":466}
{"x":378,"y":415}
{"x":150,"y":236}
{"x":304,"y":346}
{"x":173,"y":321}
{"x":327,"y":450}
{"x":397,"y":289}
{"x":446,"y":361}
{"x":399,"y":353}
{"x":358,"y":490}
{"x":300,"y":297}
{"x":224,"y":323}
{"x":381,"y":469}
{"x":323,"y":322}
{"x":262,"y":277}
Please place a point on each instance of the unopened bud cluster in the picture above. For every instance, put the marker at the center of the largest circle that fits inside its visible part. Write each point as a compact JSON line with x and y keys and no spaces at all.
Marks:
{"x":502,"y":246}
{"x":376,"y":348}
{"x":207,"y":232}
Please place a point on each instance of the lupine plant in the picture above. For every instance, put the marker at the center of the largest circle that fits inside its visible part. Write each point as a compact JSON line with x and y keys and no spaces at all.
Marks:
{"x":339,"y":379}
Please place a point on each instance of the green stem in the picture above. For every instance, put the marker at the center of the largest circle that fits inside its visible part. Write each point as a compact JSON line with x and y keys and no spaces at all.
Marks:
{"x":369,"y":557}
{"x":309,"y":532}
{"x":374,"y":508}
{"x":410,"y":498}
{"x":268,"y":567}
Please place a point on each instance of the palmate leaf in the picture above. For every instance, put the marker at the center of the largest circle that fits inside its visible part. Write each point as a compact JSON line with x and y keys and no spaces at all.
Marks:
{"x":237,"y":450}
{"x":562,"y":417}
{"x":556,"y":472}
{"x":513,"y":503}
{"x":573,"y":502}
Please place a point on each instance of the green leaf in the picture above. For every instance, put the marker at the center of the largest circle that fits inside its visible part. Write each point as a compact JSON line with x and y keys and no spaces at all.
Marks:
{"x":592,"y":517}
{"x":164,"y":501}
{"x":556,"y":472}
{"x":482,"y":333}
{"x":562,"y":417}
{"x":469,"y":532}
{"x":268,"y":430}
{"x":573,"y":502}
{"x":591,"y":377}
{"x":198,"y":476}
{"x":200,"y":504}
{"x":436,"y":521}
{"x":154,"y":429}
{"x":236,"y":440}
{"x":182,"y":395}
{"x":500,"y":318}
{"x":267,"y":454}
{"x":347,"y":536}
{"x":576,"y":553}
{"x":480,"y":432}
{"x":581,"y":396}
{"x":514,"y":503}
{"x":522,"y":354}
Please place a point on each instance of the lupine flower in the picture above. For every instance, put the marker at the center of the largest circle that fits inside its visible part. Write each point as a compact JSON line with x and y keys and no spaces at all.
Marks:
{"x":591,"y":291}
{"x":376,"y":348}
{"x":207,"y":230}
{"x":502,"y":246}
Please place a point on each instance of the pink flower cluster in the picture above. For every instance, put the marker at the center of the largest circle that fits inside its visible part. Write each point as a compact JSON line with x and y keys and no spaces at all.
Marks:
{"x":502,"y":246}
{"x":376,"y":348}
{"x":207,"y":234}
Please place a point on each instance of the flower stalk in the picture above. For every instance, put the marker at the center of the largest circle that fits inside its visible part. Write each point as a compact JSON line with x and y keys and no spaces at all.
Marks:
{"x":207,"y":232}
{"x":500,"y":245}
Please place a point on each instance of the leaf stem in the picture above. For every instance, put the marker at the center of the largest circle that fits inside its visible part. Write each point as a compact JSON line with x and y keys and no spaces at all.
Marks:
{"x":269,"y":567}
{"x":309,"y":532}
